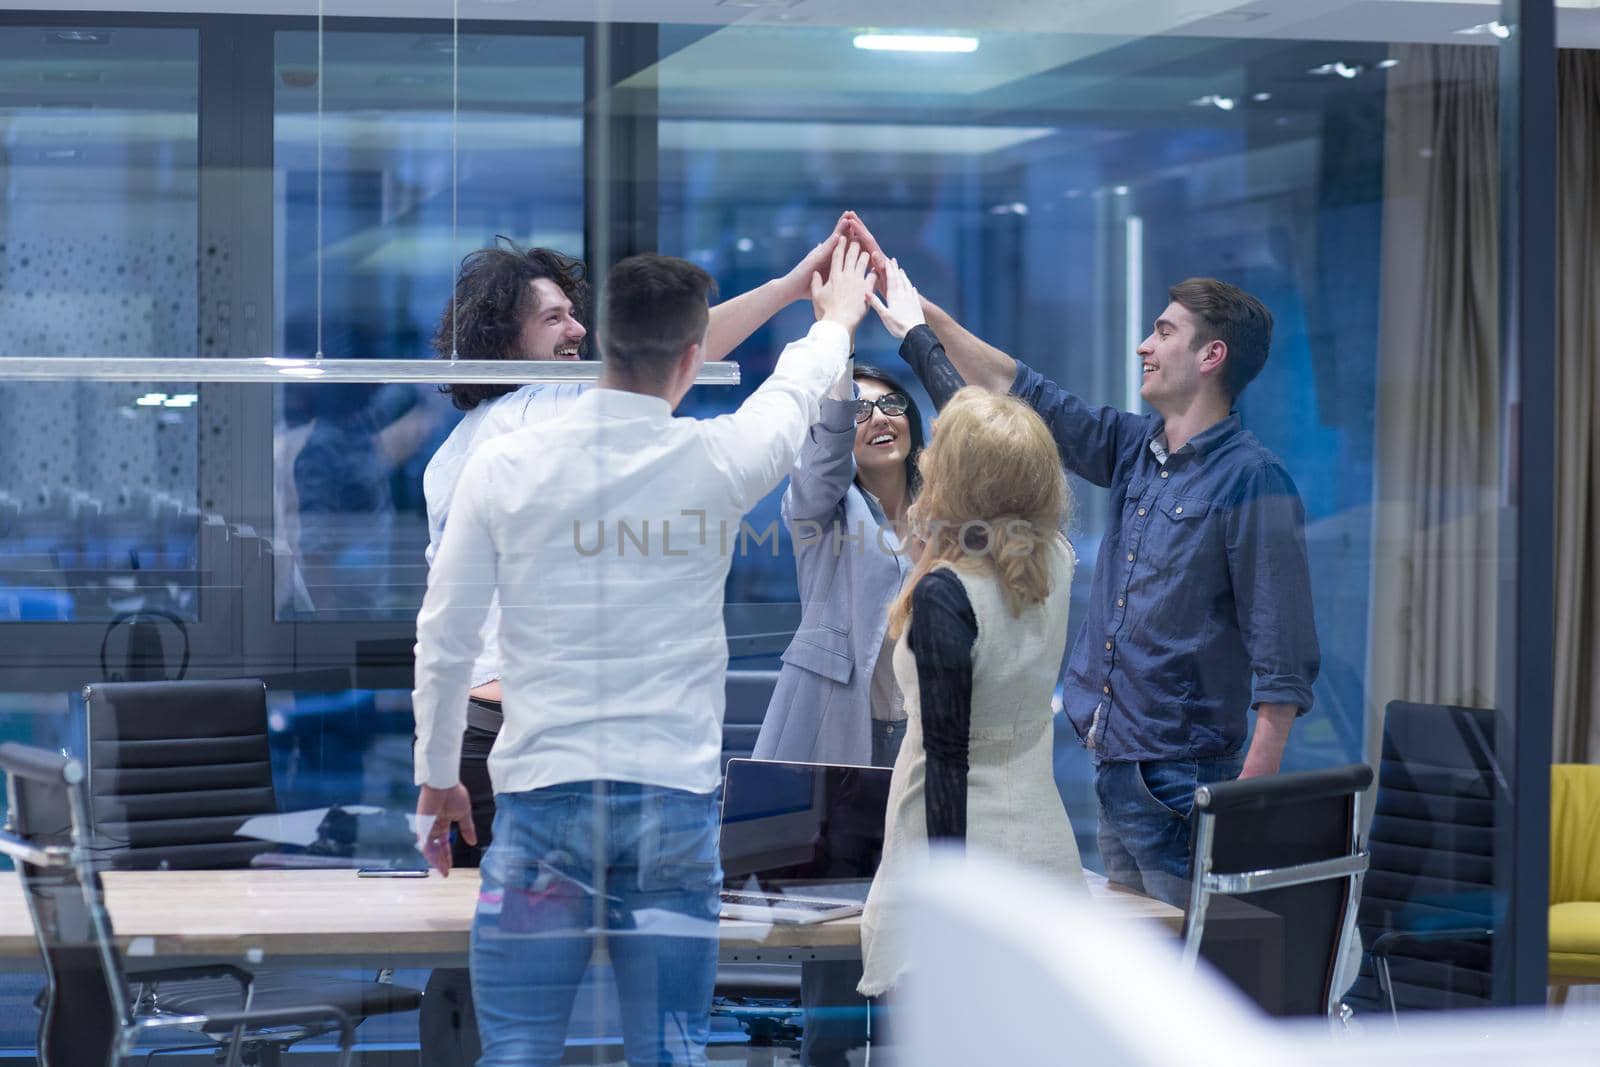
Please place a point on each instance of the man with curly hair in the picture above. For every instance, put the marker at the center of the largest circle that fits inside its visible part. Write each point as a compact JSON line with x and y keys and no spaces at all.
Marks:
{"x":527,"y":304}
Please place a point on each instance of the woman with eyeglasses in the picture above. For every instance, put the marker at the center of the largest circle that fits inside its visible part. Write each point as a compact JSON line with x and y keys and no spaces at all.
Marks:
{"x":836,"y":700}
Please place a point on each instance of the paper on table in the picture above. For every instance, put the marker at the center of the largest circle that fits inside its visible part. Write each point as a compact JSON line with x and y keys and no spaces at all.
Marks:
{"x":300,"y":827}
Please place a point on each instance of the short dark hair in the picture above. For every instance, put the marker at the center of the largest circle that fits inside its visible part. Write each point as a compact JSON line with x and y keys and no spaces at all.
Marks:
{"x":1228,"y":314}
{"x":493,"y":292}
{"x":913,"y":418}
{"x":653,"y":307}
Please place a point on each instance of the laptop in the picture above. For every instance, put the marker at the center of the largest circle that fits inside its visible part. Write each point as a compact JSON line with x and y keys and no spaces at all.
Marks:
{"x":800,"y":841}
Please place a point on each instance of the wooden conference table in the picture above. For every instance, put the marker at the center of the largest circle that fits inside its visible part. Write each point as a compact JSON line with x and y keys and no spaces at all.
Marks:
{"x":333,"y":918}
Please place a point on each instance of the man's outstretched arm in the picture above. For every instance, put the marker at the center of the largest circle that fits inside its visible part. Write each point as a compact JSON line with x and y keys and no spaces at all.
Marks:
{"x":976,"y":360}
{"x":735,"y":319}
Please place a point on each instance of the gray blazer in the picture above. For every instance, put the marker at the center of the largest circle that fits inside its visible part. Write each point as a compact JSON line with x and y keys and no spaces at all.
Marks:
{"x":821,"y":705}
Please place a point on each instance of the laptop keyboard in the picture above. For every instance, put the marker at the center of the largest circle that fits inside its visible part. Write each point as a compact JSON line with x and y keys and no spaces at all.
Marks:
{"x":757,"y":900}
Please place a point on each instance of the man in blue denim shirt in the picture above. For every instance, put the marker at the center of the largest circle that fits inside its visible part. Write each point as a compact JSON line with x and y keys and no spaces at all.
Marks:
{"x":1202,"y":583}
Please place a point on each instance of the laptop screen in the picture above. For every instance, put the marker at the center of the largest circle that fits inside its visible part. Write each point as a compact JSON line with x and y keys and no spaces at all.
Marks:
{"x":802,"y":826}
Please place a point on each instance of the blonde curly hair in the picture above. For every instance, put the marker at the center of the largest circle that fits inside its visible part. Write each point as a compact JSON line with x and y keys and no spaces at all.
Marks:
{"x":993,"y":497}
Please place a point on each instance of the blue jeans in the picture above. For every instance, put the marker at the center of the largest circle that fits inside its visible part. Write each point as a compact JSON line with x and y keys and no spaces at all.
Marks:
{"x":633,"y":866}
{"x":1145,"y":813}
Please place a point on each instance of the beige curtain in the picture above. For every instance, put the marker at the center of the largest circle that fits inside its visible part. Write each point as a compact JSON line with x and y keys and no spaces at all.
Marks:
{"x":1432,"y":631}
{"x":1577,"y":651}
{"x":1433,"y":623}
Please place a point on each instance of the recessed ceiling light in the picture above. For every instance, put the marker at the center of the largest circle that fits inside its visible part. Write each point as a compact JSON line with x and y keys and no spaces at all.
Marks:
{"x":1494,"y":29}
{"x":1221,"y":103}
{"x":1235,"y":15}
{"x":1387,"y":64}
{"x":151,"y":400}
{"x":445,"y":44}
{"x":1261,"y":98}
{"x":412,"y":80}
{"x":1121,"y":190}
{"x":78,"y":37}
{"x":1339,"y":67}
{"x":914,"y":42}
{"x":70,"y":77}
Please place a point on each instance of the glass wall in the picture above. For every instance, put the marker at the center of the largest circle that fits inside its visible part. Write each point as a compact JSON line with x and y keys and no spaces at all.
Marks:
{"x":418,"y":155}
{"x":242,"y":185}
{"x":99,"y":230}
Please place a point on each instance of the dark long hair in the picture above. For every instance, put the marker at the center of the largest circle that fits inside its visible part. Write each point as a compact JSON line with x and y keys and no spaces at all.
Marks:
{"x":913,"y":419}
{"x":492,"y":294}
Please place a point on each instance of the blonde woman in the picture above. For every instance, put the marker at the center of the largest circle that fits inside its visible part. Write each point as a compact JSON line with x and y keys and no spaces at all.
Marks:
{"x":979,"y":627}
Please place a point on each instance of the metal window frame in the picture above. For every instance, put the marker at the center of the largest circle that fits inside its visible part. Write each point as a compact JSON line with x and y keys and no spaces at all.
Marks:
{"x":1525,"y":638}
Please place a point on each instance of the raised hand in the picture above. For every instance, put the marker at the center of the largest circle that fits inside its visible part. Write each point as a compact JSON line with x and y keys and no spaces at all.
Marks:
{"x":842,"y":298}
{"x":796,"y":285}
{"x":857,"y":231}
{"x":903,"y":310}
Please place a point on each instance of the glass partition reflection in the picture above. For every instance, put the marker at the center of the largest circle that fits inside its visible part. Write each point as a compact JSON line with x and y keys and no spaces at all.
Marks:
{"x":99,"y":257}
{"x":1044,"y":176}
{"x":409,"y":165}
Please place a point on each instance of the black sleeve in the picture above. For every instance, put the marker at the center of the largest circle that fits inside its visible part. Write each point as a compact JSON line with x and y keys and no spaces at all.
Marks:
{"x":943,"y":629}
{"x":924,"y":353}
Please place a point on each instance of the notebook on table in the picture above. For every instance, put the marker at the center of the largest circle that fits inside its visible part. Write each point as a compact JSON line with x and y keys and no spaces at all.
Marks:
{"x":800,"y":841}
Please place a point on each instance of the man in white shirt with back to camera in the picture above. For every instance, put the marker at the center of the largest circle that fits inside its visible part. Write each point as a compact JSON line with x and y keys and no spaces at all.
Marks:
{"x":515,"y":303}
{"x":607,"y":534}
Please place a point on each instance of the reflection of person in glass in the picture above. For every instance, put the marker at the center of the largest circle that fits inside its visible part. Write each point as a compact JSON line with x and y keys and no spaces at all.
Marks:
{"x":526,"y":304}
{"x":354,"y":438}
{"x":979,"y":626}
{"x":613,"y":665}
{"x":1202,"y":585}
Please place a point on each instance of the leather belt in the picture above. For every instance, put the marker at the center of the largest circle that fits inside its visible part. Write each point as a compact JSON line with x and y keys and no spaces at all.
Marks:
{"x":484,"y":715}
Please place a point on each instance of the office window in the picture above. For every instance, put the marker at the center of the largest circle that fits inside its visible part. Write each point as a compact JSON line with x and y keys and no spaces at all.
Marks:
{"x":413,"y":177}
{"x":99,"y":256}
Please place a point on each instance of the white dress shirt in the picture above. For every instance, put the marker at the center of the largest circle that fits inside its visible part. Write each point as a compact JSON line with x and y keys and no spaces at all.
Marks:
{"x":525,"y":407}
{"x":608,"y":534}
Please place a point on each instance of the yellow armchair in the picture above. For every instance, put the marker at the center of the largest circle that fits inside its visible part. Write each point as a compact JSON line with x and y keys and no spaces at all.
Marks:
{"x":1574,"y":876}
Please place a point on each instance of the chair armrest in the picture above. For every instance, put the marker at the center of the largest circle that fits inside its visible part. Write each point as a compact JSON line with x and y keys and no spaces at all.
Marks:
{"x":150,"y":982}
{"x":238,"y":1021}
{"x":198,"y":970}
{"x":1388,"y":942}
{"x":258,"y":1017}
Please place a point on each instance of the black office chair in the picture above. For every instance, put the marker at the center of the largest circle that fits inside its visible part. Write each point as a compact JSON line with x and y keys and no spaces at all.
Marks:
{"x":1427,"y":910}
{"x":174,"y":770}
{"x":87,"y":1015}
{"x":1277,"y":865}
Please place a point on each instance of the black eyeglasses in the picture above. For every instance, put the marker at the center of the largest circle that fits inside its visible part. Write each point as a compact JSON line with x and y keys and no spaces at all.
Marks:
{"x":888,"y":403}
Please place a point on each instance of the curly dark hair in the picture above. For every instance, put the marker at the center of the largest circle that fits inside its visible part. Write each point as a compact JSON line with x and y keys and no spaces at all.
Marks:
{"x":494,"y":293}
